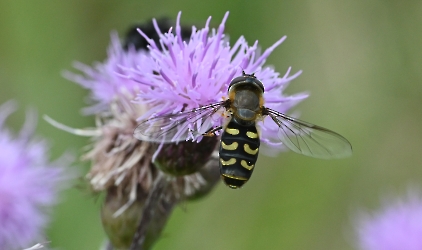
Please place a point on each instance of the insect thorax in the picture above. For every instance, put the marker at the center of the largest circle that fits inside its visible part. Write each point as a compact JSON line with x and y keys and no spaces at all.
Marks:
{"x":246,"y":102}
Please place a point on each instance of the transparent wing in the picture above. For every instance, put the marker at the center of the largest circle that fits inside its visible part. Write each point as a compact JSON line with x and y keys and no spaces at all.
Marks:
{"x":183,"y":126}
{"x":309,"y":139}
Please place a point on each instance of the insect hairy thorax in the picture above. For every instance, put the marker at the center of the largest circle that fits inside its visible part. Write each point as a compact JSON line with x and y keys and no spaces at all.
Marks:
{"x":246,"y":96}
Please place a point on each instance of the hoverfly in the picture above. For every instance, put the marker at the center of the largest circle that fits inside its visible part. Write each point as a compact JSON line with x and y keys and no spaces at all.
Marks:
{"x":239,"y":144}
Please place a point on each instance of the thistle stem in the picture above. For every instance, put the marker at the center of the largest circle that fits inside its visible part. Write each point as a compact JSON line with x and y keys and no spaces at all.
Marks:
{"x":155,"y":195}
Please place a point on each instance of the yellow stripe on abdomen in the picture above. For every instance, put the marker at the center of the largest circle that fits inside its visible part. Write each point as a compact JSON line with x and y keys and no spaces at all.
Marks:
{"x":232,"y":131}
{"x":229,"y":162}
{"x":249,"y":150}
{"x":251,"y":135}
{"x":245,"y":165}
{"x":235,"y":177}
{"x":232,"y":146}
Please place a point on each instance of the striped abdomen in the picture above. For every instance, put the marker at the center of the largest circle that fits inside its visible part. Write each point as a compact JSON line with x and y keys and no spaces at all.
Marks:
{"x":238,"y":153}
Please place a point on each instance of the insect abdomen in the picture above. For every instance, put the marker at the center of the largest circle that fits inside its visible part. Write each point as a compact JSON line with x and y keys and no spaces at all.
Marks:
{"x":238,"y":153}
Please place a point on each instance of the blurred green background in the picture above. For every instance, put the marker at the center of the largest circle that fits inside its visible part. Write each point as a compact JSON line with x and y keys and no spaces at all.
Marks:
{"x":362,"y":65}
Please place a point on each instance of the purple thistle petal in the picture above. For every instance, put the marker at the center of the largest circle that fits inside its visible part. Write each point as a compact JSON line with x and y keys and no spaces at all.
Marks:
{"x":267,"y":52}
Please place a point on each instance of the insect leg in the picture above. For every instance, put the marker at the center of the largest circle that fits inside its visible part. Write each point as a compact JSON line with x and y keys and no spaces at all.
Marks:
{"x":212,"y":131}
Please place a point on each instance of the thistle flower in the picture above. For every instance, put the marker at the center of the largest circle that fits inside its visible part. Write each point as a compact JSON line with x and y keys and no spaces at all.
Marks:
{"x":396,"y":226}
{"x":177,"y":72}
{"x":181,"y":75}
{"x":29,"y":184}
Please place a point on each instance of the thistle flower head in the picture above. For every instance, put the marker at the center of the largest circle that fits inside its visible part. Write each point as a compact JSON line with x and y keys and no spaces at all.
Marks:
{"x":177,"y":72}
{"x":29,"y":184}
{"x":116,"y":155}
{"x":181,"y":75}
{"x":398,"y":225}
